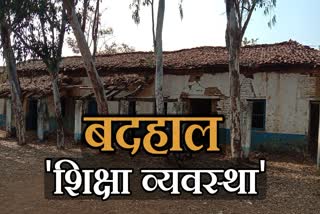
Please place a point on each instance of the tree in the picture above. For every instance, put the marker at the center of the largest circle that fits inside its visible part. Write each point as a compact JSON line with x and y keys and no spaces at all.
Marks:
{"x":135,"y":6}
{"x":157,"y":43}
{"x":97,"y":85}
{"x":39,"y":30}
{"x":239,"y":13}
{"x":103,"y":45}
{"x":114,"y":48}
{"x":89,"y":18}
{"x":247,"y":41}
{"x":159,"y":60}
{"x":5,"y":35}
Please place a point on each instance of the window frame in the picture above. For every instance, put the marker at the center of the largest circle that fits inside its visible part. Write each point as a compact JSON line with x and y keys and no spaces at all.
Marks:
{"x":263,"y":115}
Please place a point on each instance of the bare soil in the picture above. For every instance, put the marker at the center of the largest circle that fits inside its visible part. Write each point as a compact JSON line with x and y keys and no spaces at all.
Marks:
{"x":292,"y":180}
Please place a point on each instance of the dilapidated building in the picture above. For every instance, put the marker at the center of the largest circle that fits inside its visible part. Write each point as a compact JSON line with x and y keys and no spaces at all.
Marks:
{"x":282,"y":81}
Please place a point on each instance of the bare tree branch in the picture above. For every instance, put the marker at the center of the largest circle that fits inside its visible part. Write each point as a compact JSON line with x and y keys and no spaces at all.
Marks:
{"x":245,"y":25}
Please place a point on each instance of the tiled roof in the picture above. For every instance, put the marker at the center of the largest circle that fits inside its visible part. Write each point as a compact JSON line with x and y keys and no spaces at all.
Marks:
{"x":285,"y":53}
{"x":41,"y":85}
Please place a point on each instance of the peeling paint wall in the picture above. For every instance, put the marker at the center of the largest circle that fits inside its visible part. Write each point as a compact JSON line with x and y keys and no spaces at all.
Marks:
{"x":287,"y":96}
{"x":144,"y":108}
{"x":287,"y":107}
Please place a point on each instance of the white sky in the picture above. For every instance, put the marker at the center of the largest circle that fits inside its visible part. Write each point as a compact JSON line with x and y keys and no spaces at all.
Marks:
{"x":203,"y":24}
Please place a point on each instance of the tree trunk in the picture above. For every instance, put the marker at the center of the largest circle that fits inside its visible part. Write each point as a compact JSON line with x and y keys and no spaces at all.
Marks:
{"x":159,"y":60}
{"x":84,"y":15}
{"x":14,"y":81}
{"x":95,"y":29}
{"x":93,"y":75}
{"x":233,"y":42}
{"x":57,"y":105}
{"x":152,"y":25}
{"x":246,"y":109}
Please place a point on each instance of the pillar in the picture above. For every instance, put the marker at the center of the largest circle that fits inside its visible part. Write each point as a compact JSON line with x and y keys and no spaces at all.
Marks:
{"x":123,"y":107}
{"x":181,"y":107}
{"x":77,"y":120}
{"x":8,"y":116}
{"x":41,"y":119}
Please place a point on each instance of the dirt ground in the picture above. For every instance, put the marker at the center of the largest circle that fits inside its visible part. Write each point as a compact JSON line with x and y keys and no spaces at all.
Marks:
{"x":293,"y":186}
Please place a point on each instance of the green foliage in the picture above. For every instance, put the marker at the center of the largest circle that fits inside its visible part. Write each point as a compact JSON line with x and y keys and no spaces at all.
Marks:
{"x":116,"y":48}
{"x":38,"y":28}
{"x":268,"y":10}
{"x":103,"y":35}
{"x":181,"y":9}
{"x":244,"y":10}
{"x":135,"y":6}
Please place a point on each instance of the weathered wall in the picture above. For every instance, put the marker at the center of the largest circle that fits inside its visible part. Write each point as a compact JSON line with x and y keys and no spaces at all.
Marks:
{"x":69,"y":116}
{"x":2,"y":113}
{"x":144,"y":108}
{"x":287,"y":96}
{"x":113,"y":107}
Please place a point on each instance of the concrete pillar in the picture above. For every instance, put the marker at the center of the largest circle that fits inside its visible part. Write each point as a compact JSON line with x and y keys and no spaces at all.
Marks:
{"x":181,"y":107}
{"x":247,"y":130}
{"x":178,"y":107}
{"x":77,"y":120}
{"x":41,"y":109}
{"x":123,"y":107}
{"x":318,"y":156}
{"x":8,"y":116}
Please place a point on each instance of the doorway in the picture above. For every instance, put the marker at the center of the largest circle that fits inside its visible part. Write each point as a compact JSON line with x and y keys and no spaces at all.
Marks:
{"x":31,"y":123}
{"x":92,"y":107}
{"x":313,"y":129}
{"x":201,"y":107}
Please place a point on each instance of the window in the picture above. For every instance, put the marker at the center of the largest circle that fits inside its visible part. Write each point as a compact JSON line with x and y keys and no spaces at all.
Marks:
{"x":258,"y":114}
{"x":63,"y":107}
{"x":132,"y":108}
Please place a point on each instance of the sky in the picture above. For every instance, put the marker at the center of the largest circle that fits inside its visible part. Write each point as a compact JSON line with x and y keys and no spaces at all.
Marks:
{"x":204,"y":24}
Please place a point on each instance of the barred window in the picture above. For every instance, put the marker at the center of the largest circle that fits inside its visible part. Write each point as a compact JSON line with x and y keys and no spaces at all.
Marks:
{"x":258,"y":114}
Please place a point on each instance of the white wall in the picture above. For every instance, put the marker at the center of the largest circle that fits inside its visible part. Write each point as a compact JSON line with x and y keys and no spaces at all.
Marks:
{"x":287,"y":96}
